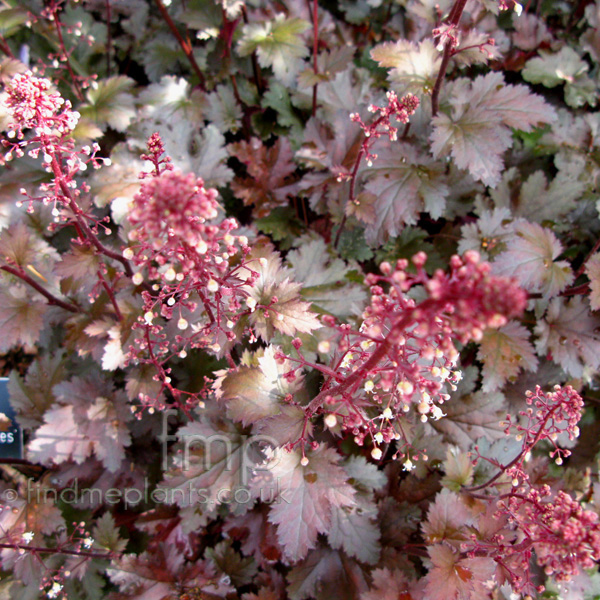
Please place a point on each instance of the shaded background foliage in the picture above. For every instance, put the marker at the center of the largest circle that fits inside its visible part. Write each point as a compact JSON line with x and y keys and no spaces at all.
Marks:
{"x":255,"y":99}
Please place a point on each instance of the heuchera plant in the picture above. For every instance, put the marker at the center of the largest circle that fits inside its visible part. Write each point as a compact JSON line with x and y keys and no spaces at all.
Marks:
{"x":298,"y":300}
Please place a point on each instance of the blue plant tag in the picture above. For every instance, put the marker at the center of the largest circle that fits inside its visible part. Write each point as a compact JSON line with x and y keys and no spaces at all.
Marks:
{"x":11,"y":435}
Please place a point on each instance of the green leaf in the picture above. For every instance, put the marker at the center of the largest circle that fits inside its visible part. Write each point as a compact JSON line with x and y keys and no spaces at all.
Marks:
{"x":504,"y":352}
{"x":289,"y":314}
{"x":21,"y":318}
{"x":352,"y":244}
{"x":592,"y":270}
{"x":281,"y":224}
{"x":530,"y":257}
{"x":324,"y":282}
{"x":308,"y":495}
{"x":277,"y":44}
{"x":277,"y":97}
{"x":538,"y":200}
{"x":570,"y":333}
{"x":472,"y":416}
{"x":254,"y":393}
{"x":228,"y":561}
{"x":552,"y":69}
{"x":477,"y":131}
{"x":403,"y":183}
{"x":11,"y":19}
{"x":223,"y":110}
{"x":414,"y":66}
{"x":214,"y":457}
{"x":106,"y":534}
{"x":32,"y":395}
{"x":326,"y":574}
{"x":111,"y":102}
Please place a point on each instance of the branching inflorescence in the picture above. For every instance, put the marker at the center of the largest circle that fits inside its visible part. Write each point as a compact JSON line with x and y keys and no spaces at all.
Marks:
{"x":404,"y":354}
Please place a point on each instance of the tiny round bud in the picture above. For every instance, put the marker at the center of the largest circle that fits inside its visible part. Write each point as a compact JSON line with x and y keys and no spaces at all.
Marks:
{"x":304,"y":461}
{"x":324,"y":347}
{"x":330,"y":420}
{"x":376,"y":453}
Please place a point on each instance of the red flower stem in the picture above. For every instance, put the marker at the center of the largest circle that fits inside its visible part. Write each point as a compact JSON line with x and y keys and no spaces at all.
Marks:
{"x":185,"y":45}
{"x":5,"y":47}
{"x":351,"y":195}
{"x":255,"y":68}
{"x":206,"y":303}
{"x":63,"y":48}
{"x":110,"y":295}
{"x":453,"y":19}
{"x":305,"y":363}
{"x":91,"y":236}
{"x":38,"y":549}
{"x":517,"y":458}
{"x":435,"y":94}
{"x":108,"y":38}
{"x":315,"y":18}
{"x":384,"y":347}
{"x":53,"y":300}
{"x":590,"y":254}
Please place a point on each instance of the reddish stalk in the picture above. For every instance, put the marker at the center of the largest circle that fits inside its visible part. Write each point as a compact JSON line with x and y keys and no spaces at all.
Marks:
{"x":352,"y":194}
{"x":4,"y":47}
{"x":384,"y":346}
{"x":41,"y":550}
{"x":111,"y":295}
{"x":53,"y":300}
{"x":185,"y":45}
{"x":255,"y":67}
{"x":63,"y":48}
{"x":89,"y":234}
{"x":591,"y":253}
{"x":453,"y":20}
{"x":108,"y":38}
{"x":315,"y":18}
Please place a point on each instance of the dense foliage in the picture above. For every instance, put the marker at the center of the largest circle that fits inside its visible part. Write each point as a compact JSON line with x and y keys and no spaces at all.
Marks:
{"x":298,"y":299}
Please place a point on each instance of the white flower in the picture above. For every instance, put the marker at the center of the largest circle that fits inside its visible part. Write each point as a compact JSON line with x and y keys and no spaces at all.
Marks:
{"x":408,"y":465}
{"x":330,"y":420}
{"x":436,"y":412}
{"x":28,"y":536}
{"x":54,"y":590}
{"x":88,"y":542}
